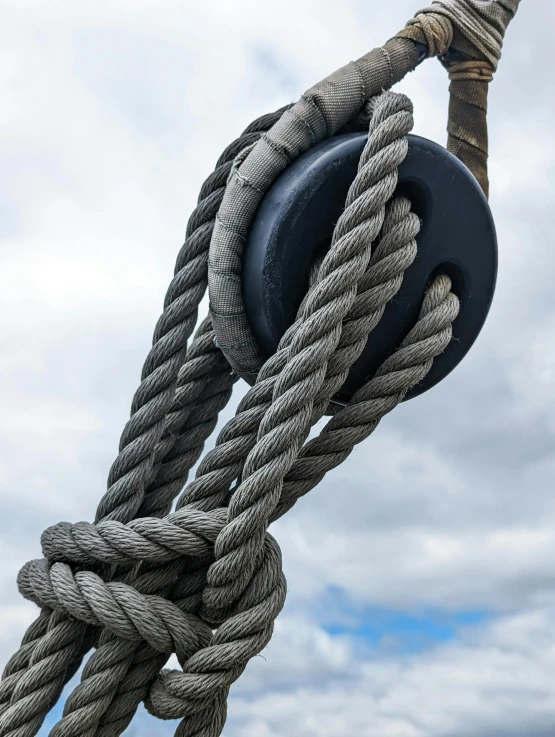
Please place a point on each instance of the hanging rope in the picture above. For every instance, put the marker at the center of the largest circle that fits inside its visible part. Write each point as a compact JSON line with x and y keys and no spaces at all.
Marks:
{"x":205,"y":581}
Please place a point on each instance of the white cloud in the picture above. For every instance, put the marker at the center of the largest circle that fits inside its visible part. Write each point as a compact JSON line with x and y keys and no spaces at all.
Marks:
{"x":112,"y":115}
{"x":493,"y":680}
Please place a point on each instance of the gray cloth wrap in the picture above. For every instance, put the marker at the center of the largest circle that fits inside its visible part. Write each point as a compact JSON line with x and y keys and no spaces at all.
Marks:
{"x":320,"y":113}
{"x":479,"y":27}
{"x":480,"y":23}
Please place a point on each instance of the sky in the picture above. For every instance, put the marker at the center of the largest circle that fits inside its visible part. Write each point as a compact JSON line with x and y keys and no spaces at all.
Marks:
{"x":420,"y":573}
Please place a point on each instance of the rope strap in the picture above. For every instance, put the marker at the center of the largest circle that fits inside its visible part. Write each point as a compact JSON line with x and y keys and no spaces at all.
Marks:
{"x":205,"y":581}
{"x":326,"y":109}
{"x":467,"y":36}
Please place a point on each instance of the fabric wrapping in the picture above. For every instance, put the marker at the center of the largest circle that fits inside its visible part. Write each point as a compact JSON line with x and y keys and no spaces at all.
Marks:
{"x":466,"y":34}
{"x":320,"y":113}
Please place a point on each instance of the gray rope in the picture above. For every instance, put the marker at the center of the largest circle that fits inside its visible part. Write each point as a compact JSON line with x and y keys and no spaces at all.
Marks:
{"x":263,"y":445}
{"x":378,"y":397}
{"x":177,"y":694}
{"x":191,"y":419}
{"x":119,"y":607}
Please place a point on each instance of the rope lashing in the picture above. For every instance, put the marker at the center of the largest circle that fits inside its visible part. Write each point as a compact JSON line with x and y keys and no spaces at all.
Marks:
{"x":205,"y":581}
{"x":467,"y":36}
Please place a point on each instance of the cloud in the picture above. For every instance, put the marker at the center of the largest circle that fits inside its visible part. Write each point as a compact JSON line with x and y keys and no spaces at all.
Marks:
{"x":112,"y":116}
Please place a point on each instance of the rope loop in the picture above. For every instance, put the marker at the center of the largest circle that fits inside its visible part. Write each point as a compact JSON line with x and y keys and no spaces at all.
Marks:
{"x":169,"y":582}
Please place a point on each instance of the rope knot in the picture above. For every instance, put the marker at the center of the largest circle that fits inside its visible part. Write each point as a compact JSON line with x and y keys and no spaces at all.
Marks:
{"x":478,"y":26}
{"x":474,"y":28}
{"x":437,"y":31}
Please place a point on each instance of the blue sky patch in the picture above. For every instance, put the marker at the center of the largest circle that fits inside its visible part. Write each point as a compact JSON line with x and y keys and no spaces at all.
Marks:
{"x":390,"y":629}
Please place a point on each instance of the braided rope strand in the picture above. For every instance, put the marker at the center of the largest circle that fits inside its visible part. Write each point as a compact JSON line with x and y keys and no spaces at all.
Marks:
{"x":177,"y":694}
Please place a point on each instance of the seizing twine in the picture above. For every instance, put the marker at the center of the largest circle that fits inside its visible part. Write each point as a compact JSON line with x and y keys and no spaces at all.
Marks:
{"x":205,"y":581}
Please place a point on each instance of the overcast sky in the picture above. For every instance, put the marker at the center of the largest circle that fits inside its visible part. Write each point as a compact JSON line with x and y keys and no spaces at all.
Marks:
{"x":421,"y":573}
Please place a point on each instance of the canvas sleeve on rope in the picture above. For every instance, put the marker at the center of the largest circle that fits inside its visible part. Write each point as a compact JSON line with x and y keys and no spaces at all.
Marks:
{"x":467,"y":36}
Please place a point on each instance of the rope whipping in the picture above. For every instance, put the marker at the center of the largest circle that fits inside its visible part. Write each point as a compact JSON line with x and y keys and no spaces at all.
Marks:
{"x":205,"y":581}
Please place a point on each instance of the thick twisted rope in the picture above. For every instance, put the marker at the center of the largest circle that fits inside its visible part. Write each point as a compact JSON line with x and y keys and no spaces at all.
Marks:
{"x":62,"y":575}
{"x":166,"y":580}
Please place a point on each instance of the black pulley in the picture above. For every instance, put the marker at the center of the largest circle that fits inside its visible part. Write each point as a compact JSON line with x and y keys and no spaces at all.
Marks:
{"x":295,"y":222}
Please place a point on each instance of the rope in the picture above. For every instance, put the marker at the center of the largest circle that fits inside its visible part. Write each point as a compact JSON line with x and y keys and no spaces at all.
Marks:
{"x":205,"y":581}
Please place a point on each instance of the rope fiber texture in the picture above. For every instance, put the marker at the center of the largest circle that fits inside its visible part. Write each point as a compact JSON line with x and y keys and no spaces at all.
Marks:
{"x":205,"y":581}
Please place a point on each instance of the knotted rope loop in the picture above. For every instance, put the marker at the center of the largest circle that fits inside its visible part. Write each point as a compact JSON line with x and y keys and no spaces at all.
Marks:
{"x":474,"y":28}
{"x":164,"y":604}
{"x":479,"y":25}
